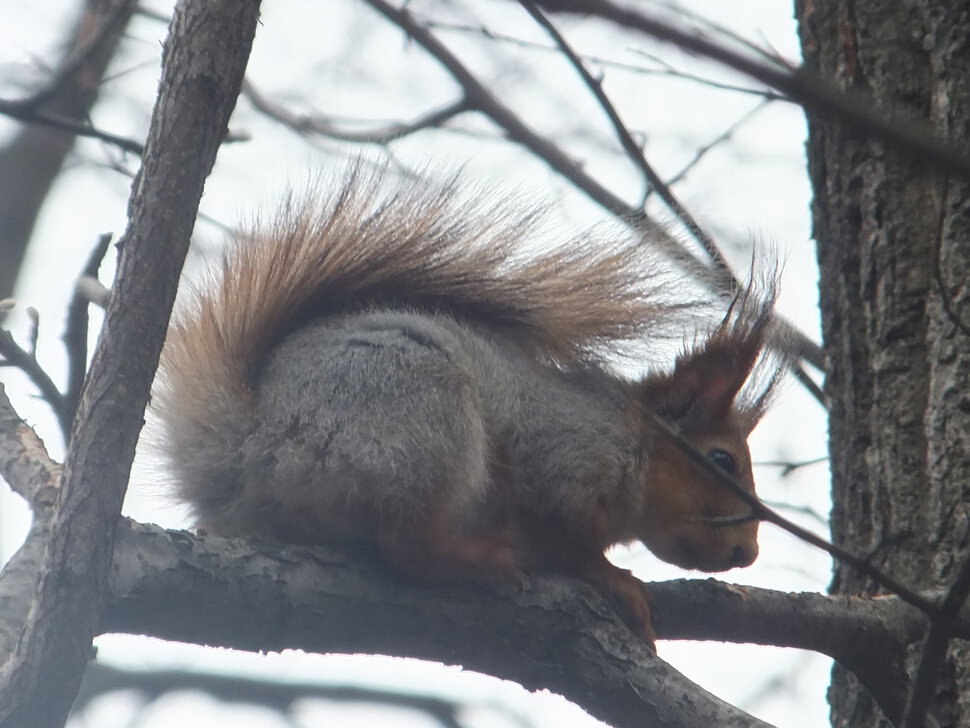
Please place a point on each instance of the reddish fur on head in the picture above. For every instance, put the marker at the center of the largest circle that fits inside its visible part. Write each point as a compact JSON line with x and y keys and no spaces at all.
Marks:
{"x":703,"y":399}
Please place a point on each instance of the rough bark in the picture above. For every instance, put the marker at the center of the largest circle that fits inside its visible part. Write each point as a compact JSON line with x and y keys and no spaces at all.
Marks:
{"x":893,"y":232}
{"x":203,"y":64}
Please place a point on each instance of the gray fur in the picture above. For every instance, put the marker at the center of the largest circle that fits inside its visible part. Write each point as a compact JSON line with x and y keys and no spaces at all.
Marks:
{"x":390,"y":413}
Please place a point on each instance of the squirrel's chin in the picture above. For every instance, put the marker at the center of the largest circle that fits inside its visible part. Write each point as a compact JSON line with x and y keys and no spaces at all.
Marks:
{"x":687,"y":555}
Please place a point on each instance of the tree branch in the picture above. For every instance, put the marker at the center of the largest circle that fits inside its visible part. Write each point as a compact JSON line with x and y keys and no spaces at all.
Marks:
{"x":760,"y":511}
{"x":204,"y":59}
{"x":30,"y":472}
{"x":317,"y":124}
{"x":24,"y":462}
{"x":938,"y":636}
{"x":76,"y":335}
{"x":554,"y":633}
{"x":16,"y":356}
{"x":799,"y":86}
{"x":633,"y":150}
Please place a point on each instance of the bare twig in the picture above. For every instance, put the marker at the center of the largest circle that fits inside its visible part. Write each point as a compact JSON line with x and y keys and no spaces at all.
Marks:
{"x":666,"y":69}
{"x":801,"y":87}
{"x":76,"y":335}
{"x":769,"y":54}
{"x":671,"y":70}
{"x":798,"y":371}
{"x":105,"y":26}
{"x":14,"y":355}
{"x":788,"y":467}
{"x":33,"y":330}
{"x":14,"y":111}
{"x":634,"y":151}
{"x":804,"y":510}
{"x":315,"y":124}
{"x":93,"y":291}
{"x":724,"y":136}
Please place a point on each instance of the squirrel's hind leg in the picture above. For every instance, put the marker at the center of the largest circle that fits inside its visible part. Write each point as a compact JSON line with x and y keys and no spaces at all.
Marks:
{"x":433,"y":550}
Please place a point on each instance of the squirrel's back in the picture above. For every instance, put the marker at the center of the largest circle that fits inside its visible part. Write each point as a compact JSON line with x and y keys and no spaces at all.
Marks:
{"x":406,"y":245}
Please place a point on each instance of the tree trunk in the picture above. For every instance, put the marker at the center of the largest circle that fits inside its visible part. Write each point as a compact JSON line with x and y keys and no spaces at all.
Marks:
{"x":893,"y":235}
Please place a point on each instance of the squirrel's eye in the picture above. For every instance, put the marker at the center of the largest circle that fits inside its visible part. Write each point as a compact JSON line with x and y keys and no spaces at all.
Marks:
{"x":724,"y":460}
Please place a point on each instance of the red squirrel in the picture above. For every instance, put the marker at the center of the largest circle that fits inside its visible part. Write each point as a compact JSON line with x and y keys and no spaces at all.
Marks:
{"x":392,"y":367}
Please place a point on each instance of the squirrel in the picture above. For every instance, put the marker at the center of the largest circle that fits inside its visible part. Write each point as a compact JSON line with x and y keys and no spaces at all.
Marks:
{"x":395,"y":367}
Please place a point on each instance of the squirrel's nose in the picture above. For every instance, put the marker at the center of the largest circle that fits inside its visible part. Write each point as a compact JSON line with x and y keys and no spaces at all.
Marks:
{"x":742,"y":556}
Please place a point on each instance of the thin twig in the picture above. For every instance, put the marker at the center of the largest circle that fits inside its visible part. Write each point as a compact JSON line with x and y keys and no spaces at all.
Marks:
{"x":75,"y":335}
{"x":801,"y":87}
{"x":306,"y":123}
{"x":671,"y":70}
{"x":724,"y":136}
{"x":634,"y":150}
{"x":33,"y":331}
{"x":14,"y":355}
{"x":665,"y":69}
{"x":787,"y":467}
{"x":798,"y":371}
{"x":702,"y":20}
{"x":14,"y":111}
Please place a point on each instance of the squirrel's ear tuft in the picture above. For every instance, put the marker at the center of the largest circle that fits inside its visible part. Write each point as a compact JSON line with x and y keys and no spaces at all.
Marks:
{"x":708,"y":383}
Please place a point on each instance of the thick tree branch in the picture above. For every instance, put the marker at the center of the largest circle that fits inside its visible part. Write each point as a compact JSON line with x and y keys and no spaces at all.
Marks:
{"x":204,"y":59}
{"x":553,"y":633}
{"x":264,"y":596}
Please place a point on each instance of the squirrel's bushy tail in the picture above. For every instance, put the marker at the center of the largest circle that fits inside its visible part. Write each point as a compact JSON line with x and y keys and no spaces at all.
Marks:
{"x":379,"y":243}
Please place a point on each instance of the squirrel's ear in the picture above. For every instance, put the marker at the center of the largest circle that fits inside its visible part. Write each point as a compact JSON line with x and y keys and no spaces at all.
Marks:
{"x":717,"y":372}
{"x":703,"y":386}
